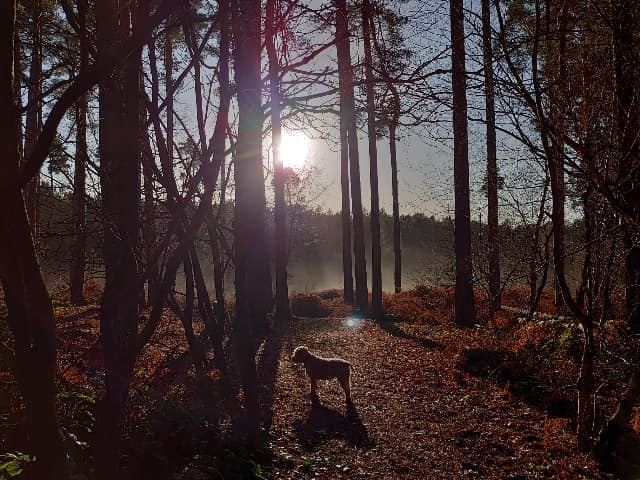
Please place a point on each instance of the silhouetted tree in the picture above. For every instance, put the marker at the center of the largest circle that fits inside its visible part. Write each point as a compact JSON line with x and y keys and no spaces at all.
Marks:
{"x":376,"y":253}
{"x":465,"y":302}
{"x":29,"y":310}
{"x":347,"y":111}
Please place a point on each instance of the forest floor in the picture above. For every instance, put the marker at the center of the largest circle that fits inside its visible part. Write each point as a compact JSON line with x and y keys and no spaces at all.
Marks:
{"x":431,"y":400}
{"x":417,"y":414}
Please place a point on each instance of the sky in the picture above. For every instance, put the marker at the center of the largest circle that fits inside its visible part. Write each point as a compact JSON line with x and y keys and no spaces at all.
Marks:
{"x":425,"y":152}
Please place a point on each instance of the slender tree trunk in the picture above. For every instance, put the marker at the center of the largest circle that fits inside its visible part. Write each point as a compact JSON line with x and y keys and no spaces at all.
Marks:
{"x":465,"y":301}
{"x":33,"y":124}
{"x":119,"y":148}
{"x":282,"y":288}
{"x":168,"y":81}
{"x":219,"y":142}
{"x":628,"y":124}
{"x":29,"y":311}
{"x":214,"y":329}
{"x":558,"y":40}
{"x":149,"y":233}
{"x":186,"y":318}
{"x":251,"y":258}
{"x":218,"y":268}
{"x":78,"y":254}
{"x":585,"y":388}
{"x":376,"y":252}
{"x":392,"y":124}
{"x":397,"y":248}
{"x":347,"y":259}
{"x":347,"y":110}
{"x":492,"y":167}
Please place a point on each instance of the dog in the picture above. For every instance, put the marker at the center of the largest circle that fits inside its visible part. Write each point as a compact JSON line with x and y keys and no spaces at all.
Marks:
{"x":319,"y":368}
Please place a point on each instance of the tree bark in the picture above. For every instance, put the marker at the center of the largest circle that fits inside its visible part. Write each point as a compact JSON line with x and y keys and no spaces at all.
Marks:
{"x":252,"y":279}
{"x":347,"y":259}
{"x":29,"y":310}
{"x":557,"y":114}
{"x":492,"y":167}
{"x":282,"y":288}
{"x":168,"y":84}
{"x":119,"y":148}
{"x":220,"y":135}
{"x":33,"y":125}
{"x":465,"y":301}
{"x":347,"y":110}
{"x":628,"y":124}
{"x":376,"y":253}
{"x":78,"y":253}
{"x":397,"y":247}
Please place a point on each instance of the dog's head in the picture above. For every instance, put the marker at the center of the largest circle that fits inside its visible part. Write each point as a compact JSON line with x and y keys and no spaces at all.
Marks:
{"x":300,"y":354}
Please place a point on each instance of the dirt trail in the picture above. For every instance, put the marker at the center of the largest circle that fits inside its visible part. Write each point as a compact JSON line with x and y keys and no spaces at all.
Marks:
{"x":416,"y":414}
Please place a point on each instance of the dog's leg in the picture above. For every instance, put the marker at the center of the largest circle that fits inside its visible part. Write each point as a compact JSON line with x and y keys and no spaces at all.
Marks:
{"x":315,"y":399}
{"x":345,"y":383}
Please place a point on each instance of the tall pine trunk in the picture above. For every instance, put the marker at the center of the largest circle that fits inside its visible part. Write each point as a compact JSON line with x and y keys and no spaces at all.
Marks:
{"x":78,"y":253}
{"x":492,"y":167}
{"x":628,"y":123}
{"x":347,"y":259}
{"x":347,"y":111}
{"x":397,"y":247}
{"x":465,"y":301}
{"x":251,"y":257}
{"x":33,"y":124}
{"x":558,"y":94}
{"x":376,"y":253}
{"x":119,"y":142}
{"x":219,"y":142}
{"x":282,"y":288}
{"x":29,"y":310}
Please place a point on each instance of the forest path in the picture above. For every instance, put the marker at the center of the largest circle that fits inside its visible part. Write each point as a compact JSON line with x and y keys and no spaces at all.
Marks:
{"x":417,"y":415}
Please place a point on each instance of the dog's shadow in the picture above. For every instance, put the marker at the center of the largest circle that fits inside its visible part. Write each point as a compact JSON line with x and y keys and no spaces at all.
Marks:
{"x":324,"y":423}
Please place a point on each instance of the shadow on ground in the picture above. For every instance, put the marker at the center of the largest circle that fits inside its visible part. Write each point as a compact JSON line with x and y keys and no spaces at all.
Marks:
{"x":521,"y":378}
{"x":324,"y":423}
{"x":392,"y":328}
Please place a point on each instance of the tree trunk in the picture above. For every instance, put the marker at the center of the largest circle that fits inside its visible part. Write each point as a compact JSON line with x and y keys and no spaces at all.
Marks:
{"x":33,"y":124}
{"x":492,"y":167}
{"x":282,"y":288}
{"x":78,"y":253}
{"x":628,"y":124}
{"x":168,"y":82}
{"x":251,"y":259}
{"x":347,"y":110}
{"x":119,"y":147}
{"x":557,"y":114}
{"x":376,"y":252}
{"x":347,"y":260}
{"x":214,"y":330}
{"x":397,"y":248}
{"x":465,"y":301}
{"x":219,"y":141}
{"x":585,"y":389}
{"x":149,"y":233}
{"x":29,"y":310}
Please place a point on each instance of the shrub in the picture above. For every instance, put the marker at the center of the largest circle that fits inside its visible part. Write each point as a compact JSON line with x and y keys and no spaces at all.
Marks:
{"x":308,"y":305}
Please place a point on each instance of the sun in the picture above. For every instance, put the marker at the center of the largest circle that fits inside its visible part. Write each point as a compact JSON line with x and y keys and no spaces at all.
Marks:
{"x":294,"y":149}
